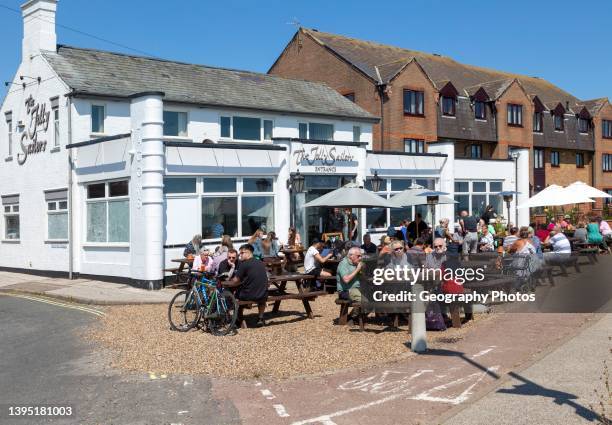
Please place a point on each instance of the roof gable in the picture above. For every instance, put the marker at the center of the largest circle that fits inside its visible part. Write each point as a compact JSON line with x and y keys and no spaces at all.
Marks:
{"x":95,"y":72}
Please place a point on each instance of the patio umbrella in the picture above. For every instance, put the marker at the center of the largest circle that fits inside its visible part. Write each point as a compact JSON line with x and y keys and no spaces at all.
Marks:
{"x":555,"y":195}
{"x":410,"y":197}
{"x":350,"y":196}
{"x":586,"y":190}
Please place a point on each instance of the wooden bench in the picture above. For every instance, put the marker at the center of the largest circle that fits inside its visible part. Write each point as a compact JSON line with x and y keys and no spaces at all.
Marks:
{"x":344,"y":308}
{"x":276,"y":298}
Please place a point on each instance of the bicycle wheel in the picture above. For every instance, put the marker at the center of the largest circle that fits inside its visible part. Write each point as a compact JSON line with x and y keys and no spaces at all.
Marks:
{"x":224,"y":312}
{"x":184,"y":311}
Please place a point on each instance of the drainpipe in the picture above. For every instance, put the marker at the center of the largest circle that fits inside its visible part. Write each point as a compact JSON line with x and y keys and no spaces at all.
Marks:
{"x":381,"y":93}
{"x":70,"y":215}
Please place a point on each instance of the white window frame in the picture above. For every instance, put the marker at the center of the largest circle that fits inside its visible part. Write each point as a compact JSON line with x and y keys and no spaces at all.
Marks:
{"x":103,"y":106}
{"x":179,"y":137}
{"x":418,"y":144}
{"x":488,"y":192}
{"x":57,"y":211}
{"x":387,"y":192}
{"x":239,"y":193}
{"x":515,"y":114}
{"x":106,"y":199}
{"x":11,"y":210}
{"x":261,"y":127}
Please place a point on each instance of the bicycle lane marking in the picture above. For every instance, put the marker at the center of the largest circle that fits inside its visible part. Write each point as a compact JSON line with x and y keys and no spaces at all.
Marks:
{"x":89,"y":310}
{"x":420,"y":385}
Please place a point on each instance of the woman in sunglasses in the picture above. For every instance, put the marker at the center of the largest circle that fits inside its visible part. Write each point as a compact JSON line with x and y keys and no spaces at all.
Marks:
{"x":397,"y":257}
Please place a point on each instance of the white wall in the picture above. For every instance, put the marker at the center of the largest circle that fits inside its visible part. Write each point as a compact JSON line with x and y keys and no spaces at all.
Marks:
{"x":41,"y":171}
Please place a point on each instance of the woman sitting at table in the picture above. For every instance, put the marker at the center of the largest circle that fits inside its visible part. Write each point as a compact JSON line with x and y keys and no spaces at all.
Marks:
{"x":193,"y":247}
{"x":268,"y":248}
{"x":294,"y":241}
{"x":221,"y":252}
{"x":580,"y":234}
{"x":593,"y":235}
{"x":525,"y":251}
{"x":255,"y":242}
{"x":202,"y":263}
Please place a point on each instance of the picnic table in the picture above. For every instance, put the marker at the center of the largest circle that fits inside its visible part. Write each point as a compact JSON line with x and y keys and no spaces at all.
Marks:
{"x":279,"y":293}
{"x":183,"y":270}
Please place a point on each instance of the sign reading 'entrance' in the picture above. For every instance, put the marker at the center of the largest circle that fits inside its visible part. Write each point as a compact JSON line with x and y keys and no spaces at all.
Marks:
{"x":38,"y":120}
{"x":324,"y":159}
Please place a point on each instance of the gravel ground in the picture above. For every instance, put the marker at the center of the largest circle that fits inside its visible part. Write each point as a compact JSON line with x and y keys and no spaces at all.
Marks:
{"x":290,"y":345}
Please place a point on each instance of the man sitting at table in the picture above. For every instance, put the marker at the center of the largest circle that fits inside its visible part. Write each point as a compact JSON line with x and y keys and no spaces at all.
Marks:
{"x":561,"y":246}
{"x":252,"y":281}
{"x":229,"y":265}
{"x":313,"y":260}
{"x":348,"y":279}
{"x":486,"y":242}
{"x":368,"y":246}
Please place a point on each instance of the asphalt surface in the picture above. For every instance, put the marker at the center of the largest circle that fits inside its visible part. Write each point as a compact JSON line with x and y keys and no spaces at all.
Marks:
{"x":45,"y":361}
{"x":558,"y":389}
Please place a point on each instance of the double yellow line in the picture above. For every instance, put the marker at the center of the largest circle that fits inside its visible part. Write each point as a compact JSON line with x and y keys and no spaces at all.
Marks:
{"x":89,"y":310}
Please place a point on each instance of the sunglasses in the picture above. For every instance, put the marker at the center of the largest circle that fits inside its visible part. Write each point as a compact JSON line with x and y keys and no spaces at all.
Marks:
{"x":438,"y":246}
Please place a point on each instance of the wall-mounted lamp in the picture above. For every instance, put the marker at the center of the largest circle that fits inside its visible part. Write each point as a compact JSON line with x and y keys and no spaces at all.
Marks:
{"x":376,"y":182}
{"x":296,"y":182}
{"x":8,"y":83}
{"x":37,"y":79}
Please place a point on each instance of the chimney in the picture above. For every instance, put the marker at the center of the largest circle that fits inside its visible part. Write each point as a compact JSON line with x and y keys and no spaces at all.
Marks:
{"x":38,"y":27}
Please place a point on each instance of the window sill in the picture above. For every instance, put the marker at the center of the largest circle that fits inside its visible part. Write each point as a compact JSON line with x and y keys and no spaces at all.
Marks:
{"x":106,"y":245}
{"x":11,"y":240}
{"x":583,"y":134}
{"x":408,"y":114}
{"x":579,"y":166}
{"x":8,"y":159}
{"x":607,"y":137}
{"x":554,"y":166}
{"x":481,"y":120}
{"x":97,"y":135}
{"x":178,"y":138}
{"x":538,"y":132}
{"x":515,"y":125}
{"x":449,"y":116}
{"x":559,"y":131}
{"x":55,"y":149}
{"x":52,"y":241}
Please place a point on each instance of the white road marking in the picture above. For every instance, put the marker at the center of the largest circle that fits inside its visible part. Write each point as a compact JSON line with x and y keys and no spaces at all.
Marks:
{"x":401,"y":389}
{"x":478,"y":376}
{"x":483,"y":352}
{"x":281,"y":411}
{"x":90,"y":310}
{"x":268,"y":394}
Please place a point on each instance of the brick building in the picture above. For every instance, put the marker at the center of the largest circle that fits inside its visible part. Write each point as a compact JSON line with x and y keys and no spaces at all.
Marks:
{"x":427,"y":98}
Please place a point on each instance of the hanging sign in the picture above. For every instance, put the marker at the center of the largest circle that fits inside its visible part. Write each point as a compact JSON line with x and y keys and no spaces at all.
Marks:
{"x":38,"y":119}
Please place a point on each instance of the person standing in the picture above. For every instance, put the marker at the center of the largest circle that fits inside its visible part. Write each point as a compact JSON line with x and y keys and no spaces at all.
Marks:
{"x":352,"y":225}
{"x":488,"y":214}
{"x":417,"y":227}
{"x":469,"y":227}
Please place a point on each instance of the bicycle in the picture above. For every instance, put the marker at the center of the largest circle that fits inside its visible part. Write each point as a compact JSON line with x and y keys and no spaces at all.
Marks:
{"x":206,"y":301}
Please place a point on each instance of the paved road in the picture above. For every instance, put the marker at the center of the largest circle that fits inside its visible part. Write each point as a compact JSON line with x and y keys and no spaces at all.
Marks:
{"x":557,"y":389}
{"x":44,"y":361}
{"x":418,"y":390}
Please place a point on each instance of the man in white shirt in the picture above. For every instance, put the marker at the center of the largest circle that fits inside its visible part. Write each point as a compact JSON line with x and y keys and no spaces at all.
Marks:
{"x":313,"y":260}
{"x":562,"y":248}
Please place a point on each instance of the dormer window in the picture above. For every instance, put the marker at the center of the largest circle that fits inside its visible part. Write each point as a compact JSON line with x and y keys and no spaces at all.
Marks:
{"x":538,"y":115}
{"x":448,"y":106}
{"x":583,"y":125}
{"x":480,"y":111}
{"x":448,"y":99}
{"x":558,"y":120}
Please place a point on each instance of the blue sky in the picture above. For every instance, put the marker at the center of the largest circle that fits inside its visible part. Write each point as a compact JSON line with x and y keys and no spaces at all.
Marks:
{"x":565,"y":42}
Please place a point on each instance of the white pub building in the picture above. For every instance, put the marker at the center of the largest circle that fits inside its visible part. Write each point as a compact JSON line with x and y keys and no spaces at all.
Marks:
{"x":112,"y":162}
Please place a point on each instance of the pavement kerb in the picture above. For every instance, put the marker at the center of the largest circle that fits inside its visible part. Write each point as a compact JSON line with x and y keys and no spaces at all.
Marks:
{"x":81,"y":300}
{"x":591,"y":321}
